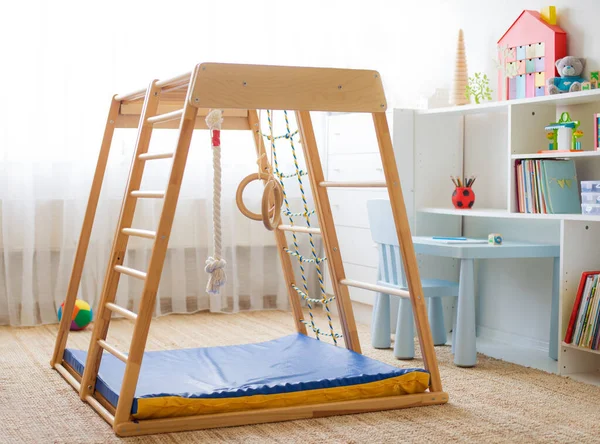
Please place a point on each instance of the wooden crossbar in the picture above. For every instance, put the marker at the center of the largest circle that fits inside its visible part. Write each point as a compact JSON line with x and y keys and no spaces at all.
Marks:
{"x":122,"y":311}
{"x":179,"y":80}
{"x":299,"y":229}
{"x":375,"y":287}
{"x":167,"y":117}
{"x":108,"y":417}
{"x":130,"y":272}
{"x":153,"y":156}
{"x":148,"y":194}
{"x":139,"y":233}
{"x":112,"y":350}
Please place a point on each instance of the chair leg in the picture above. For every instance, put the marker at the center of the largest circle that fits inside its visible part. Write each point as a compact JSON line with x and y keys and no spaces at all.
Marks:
{"x":380,"y":323}
{"x":436,"y":321}
{"x":404,"y":346}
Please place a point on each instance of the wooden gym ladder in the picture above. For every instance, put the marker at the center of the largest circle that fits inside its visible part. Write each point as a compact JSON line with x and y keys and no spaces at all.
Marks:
{"x":180,"y":103}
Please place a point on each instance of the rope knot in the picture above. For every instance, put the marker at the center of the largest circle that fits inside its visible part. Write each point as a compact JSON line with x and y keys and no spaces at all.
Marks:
{"x":217,"y":278}
{"x":214,"y":119}
{"x":213,"y":264}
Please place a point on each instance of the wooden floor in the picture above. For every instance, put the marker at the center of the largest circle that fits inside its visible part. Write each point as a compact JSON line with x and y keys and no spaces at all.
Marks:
{"x":493,"y":402}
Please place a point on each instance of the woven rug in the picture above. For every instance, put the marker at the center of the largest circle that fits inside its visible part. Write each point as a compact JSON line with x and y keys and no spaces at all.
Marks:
{"x":493,"y":402}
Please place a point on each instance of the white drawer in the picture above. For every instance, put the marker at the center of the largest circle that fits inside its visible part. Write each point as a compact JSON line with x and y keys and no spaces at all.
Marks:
{"x":355,"y":167}
{"x":349,"y":207}
{"x":357,"y":247}
{"x":351,"y":133}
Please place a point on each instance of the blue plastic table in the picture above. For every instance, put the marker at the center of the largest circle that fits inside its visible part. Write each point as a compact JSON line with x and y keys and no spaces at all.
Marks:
{"x":463,"y":333}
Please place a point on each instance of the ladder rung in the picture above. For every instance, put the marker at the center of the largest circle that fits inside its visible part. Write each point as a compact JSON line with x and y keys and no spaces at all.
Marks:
{"x":148,"y":194}
{"x":139,"y":233}
{"x":299,"y":229}
{"x":130,"y":97}
{"x":130,"y":271}
{"x":122,"y":311}
{"x":113,"y":351}
{"x":167,"y":117}
{"x":353,"y":184}
{"x":108,"y":417}
{"x":152,"y":156}
{"x":68,"y":376}
{"x":377,"y":288}
{"x":180,"y":79}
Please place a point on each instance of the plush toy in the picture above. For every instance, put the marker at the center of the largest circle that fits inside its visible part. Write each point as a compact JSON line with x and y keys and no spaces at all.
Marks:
{"x":570,"y":69}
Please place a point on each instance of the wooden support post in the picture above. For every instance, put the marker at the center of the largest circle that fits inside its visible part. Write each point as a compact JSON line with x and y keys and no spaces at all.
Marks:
{"x":117,"y":255}
{"x":84,"y":237}
{"x":157,"y":259}
{"x":280,"y":239}
{"x":330,"y":240}
{"x":407,"y":250}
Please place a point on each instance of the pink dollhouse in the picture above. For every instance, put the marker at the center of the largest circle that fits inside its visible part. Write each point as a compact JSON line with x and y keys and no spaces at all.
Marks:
{"x":534,"y":43}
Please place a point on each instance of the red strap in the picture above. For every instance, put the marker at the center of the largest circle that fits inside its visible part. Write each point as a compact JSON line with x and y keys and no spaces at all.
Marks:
{"x":216,"y":137}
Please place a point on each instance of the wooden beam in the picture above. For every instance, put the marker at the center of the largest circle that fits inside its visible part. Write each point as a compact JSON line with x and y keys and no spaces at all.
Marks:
{"x":155,"y":267}
{"x":152,"y":426}
{"x":229,"y":123}
{"x":223,"y":85}
{"x":407,"y":249}
{"x":167,"y":106}
{"x":119,"y":247}
{"x":84,"y":236}
{"x":280,"y":239}
{"x":328,"y":233}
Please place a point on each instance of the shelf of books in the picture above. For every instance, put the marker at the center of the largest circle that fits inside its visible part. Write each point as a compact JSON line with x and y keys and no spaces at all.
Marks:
{"x":583,"y":330}
{"x":579,"y":309}
{"x":524,"y":191}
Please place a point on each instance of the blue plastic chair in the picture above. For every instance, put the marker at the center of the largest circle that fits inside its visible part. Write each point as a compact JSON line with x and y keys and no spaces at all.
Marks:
{"x":391,"y":274}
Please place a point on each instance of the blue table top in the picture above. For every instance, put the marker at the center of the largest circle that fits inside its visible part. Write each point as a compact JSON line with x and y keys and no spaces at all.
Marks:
{"x":508,"y":250}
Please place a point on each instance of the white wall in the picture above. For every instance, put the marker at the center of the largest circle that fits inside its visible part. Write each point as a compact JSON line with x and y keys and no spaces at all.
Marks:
{"x":57,"y":54}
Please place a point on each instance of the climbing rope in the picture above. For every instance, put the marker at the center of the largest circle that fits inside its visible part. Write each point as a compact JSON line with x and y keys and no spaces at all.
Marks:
{"x":299,"y":173}
{"x":215,"y":265}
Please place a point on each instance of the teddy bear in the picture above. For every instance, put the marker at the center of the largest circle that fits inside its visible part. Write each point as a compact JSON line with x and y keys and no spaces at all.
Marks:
{"x":569,"y":69}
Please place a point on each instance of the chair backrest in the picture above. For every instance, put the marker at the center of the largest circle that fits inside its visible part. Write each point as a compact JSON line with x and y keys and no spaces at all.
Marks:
{"x":383,"y":232}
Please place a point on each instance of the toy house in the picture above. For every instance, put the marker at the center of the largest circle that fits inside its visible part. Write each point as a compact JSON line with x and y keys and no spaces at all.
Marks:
{"x":534,"y":43}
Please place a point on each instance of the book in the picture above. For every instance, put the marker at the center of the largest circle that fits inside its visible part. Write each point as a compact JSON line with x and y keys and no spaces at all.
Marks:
{"x":580,"y":309}
{"x":589,"y":317}
{"x":520,"y":187}
{"x":547,"y":186}
{"x":562,"y":192}
{"x":585,"y":308}
{"x":584,"y":283}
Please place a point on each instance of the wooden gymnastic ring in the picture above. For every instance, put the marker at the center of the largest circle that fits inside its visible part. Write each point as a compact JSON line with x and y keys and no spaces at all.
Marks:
{"x":240,"y":192}
{"x":272,"y":200}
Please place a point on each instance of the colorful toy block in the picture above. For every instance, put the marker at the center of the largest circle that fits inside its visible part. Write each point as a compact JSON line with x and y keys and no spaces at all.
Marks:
{"x":594,"y":79}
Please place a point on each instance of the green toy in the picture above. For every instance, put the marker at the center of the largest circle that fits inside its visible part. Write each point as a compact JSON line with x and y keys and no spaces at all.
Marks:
{"x":564,"y":133}
{"x":479,"y":88}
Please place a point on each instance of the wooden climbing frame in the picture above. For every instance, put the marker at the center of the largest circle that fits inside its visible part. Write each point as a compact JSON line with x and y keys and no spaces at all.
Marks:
{"x":182,"y":102}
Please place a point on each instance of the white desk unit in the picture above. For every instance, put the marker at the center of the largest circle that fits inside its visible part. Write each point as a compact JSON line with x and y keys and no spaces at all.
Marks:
{"x":482,"y":140}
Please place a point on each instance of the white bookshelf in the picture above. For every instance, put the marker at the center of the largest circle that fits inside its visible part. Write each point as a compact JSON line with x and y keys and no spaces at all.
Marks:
{"x":485,"y":140}
{"x":505,"y":214}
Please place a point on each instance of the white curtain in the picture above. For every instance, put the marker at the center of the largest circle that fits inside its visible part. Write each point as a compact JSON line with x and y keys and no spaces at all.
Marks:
{"x":65,"y":64}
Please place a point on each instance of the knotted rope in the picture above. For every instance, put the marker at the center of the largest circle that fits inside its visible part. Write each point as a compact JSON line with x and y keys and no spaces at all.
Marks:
{"x":215,"y":265}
